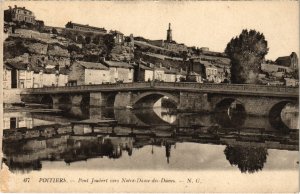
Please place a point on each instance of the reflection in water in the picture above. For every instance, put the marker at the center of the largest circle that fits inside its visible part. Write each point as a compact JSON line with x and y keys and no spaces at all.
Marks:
{"x":248,"y":159}
{"x":290,"y":115}
{"x":145,"y":139}
{"x":165,"y":114}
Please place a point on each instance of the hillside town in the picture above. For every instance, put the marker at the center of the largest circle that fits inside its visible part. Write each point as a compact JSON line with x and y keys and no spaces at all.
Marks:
{"x":37,"y":55}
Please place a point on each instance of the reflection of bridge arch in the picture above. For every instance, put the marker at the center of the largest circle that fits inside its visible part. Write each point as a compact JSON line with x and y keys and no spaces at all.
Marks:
{"x":65,"y":102}
{"x":148,"y":99}
{"x":149,"y":117}
{"x":275,"y":118}
{"x":47,"y":99}
{"x":230,"y":112}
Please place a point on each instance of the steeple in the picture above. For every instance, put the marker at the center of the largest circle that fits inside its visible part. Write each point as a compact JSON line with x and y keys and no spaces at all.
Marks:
{"x":169,"y":34}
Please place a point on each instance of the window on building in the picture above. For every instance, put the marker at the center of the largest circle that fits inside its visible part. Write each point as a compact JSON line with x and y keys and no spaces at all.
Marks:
{"x":13,"y":123}
{"x":22,"y":85}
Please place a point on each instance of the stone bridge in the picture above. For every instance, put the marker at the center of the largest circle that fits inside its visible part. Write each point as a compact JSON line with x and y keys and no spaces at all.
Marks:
{"x":257,"y":100}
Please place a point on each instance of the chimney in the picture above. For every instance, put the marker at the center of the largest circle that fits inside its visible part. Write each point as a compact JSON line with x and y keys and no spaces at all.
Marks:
{"x":9,"y":7}
{"x":16,"y":6}
{"x":23,"y":7}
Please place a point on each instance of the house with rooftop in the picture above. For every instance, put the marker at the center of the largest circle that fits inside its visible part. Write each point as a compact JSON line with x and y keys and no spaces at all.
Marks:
{"x":181,"y":75}
{"x":7,"y":77}
{"x":46,"y":77}
{"x":143,"y":72}
{"x":290,"y":61}
{"x":170,"y":74}
{"x":119,"y":71}
{"x":209,"y":70}
{"x":19,"y":14}
{"x":87,"y":28}
{"x":272,"y":68}
{"x":281,"y":66}
{"x":20,"y":73}
{"x":159,"y":72}
{"x":117,"y":36}
{"x":85,"y":73}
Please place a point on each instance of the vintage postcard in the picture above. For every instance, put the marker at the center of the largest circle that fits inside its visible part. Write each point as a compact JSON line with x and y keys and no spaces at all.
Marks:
{"x":149,"y":96}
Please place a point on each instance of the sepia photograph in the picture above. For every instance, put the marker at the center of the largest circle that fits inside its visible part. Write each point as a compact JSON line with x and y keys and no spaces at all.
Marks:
{"x":150,"y":96}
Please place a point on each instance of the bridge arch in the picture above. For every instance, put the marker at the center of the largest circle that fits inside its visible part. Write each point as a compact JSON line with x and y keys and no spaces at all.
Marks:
{"x":47,"y":100}
{"x":275,"y":115}
{"x":230,"y":112}
{"x":148,"y":99}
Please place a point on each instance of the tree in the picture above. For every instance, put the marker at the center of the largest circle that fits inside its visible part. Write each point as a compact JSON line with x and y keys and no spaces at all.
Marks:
{"x":54,"y":31}
{"x":109,"y":43}
{"x":246,"y":53}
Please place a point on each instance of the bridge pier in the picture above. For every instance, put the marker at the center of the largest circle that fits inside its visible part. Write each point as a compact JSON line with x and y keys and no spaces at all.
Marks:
{"x":123,"y":99}
{"x":96,"y":99}
{"x":55,"y":100}
{"x":194,"y":102}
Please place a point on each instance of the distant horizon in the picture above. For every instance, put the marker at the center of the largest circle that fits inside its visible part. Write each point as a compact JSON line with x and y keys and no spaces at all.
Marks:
{"x":278,"y":21}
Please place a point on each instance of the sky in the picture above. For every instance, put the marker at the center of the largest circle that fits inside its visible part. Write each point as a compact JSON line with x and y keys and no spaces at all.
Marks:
{"x":194,"y":23}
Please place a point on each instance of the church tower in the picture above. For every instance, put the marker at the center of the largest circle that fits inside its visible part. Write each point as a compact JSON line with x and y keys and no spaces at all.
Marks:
{"x":169,"y":34}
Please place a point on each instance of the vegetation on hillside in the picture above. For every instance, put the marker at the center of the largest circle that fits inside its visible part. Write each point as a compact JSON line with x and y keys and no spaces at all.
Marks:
{"x":246,"y":52}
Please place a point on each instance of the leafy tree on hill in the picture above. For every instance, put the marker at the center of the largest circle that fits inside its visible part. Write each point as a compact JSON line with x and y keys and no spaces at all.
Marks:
{"x":246,"y":53}
{"x":54,"y":31}
{"x":109,"y":43}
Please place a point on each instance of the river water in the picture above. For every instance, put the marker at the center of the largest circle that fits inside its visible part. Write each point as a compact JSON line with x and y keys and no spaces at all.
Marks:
{"x":148,"y":139}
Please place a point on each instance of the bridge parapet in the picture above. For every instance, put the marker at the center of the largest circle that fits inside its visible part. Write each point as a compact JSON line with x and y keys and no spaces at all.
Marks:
{"x":229,"y":87}
{"x":182,"y":86}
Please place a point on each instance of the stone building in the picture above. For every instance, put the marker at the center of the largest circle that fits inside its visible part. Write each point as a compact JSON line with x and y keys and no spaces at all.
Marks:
{"x":281,"y":66}
{"x":275,"y":69}
{"x":87,"y":28}
{"x":209,"y":70}
{"x":211,"y":73}
{"x":119,"y":71}
{"x":85,"y":73}
{"x":291,"y":82}
{"x":7,"y":77}
{"x":117,"y":36}
{"x":159,"y":73}
{"x":21,"y":75}
{"x":19,"y":14}
{"x":150,"y":71}
{"x":290,"y":61}
{"x":143,"y":72}
{"x":49,"y":78}
{"x":181,"y":75}
{"x":170,"y":75}
{"x":179,"y":48}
